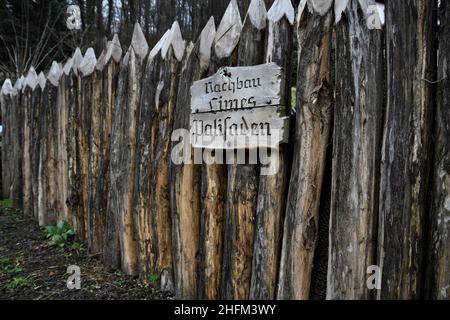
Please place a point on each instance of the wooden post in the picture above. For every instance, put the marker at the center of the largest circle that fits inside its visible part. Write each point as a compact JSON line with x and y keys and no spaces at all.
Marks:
{"x":29,"y":85}
{"x":6,"y":109}
{"x":439,"y":266}
{"x":313,"y":126}
{"x":87,"y":67}
{"x":105,"y":82}
{"x":214,"y":176}
{"x":185,"y":178}
{"x":48,"y":158}
{"x":123,"y":157}
{"x":16,"y":122}
{"x":243,"y":178}
{"x":272,"y":189}
{"x":111,"y":253}
{"x":37,"y":134}
{"x":410,"y":54}
{"x":358,"y":120}
{"x":172,"y":52}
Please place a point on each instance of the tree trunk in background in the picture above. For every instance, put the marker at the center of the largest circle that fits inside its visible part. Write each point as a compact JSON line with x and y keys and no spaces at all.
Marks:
{"x":410,"y":51}
{"x":242,"y":190}
{"x":314,"y":116}
{"x":272,"y":189}
{"x":439,"y":250}
{"x":358,"y":120}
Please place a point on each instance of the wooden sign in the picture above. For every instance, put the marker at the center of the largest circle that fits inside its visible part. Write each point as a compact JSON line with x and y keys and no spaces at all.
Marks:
{"x":238,"y":107}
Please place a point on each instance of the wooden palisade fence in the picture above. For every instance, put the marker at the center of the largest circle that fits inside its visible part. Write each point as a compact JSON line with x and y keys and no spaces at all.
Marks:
{"x":91,"y":143}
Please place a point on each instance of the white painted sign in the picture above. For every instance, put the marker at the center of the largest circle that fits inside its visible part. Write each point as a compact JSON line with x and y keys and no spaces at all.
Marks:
{"x":238,"y":107}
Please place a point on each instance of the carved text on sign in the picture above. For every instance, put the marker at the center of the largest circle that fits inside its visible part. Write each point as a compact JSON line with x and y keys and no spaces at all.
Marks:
{"x":238,"y":107}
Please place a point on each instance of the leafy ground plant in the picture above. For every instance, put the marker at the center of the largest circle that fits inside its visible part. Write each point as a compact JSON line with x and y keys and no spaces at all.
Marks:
{"x":19,"y":282}
{"x":59,"y":235}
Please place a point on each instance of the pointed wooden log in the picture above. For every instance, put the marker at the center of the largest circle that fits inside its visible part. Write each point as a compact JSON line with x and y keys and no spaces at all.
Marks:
{"x":439,"y":265}
{"x":185,"y":178}
{"x":112,"y":252}
{"x":16,"y":127}
{"x":48,"y":183}
{"x":144,"y":221}
{"x":30,"y":83}
{"x":410,"y":36}
{"x":214,"y":176}
{"x":6,"y":109}
{"x":123,"y":156}
{"x":272,"y":189}
{"x":36,"y":136}
{"x":243,"y":179}
{"x":62,"y":142}
{"x":358,"y":120}
{"x":74,"y":201}
{"x":162,"y":125}
{"x":314,"y":114}
{"x":106,"y":74}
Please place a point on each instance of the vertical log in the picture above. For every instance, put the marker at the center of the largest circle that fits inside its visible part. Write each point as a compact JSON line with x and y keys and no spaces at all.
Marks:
{"x":272,"y":196}
{"x":410,"y":54}
{"x":48,"y":158}
{"x":313,"y":126}
{"x":107,"y":75}
{"x":87,"y":67}
{"x":17,"y":147}
{"x":36,"y":142}
{"x":111,"y":254}
{"x":73,"y":147}
{"x":172,"y":52}
{"x":214,"y":175}
{"x":243,"y":178}
{"x":123,"y":160}
{"x":185,"y":178}
{"x":6,"y":109}
{"x":29,"y":85}
{"x":439,"y":267}
{"x":358,"y":120}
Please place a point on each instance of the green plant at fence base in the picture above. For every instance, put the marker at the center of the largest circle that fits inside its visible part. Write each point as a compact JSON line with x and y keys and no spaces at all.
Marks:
{"x":6,"y":207}
{"x":10,"y":266}
{"x":153,"y":280}
{"x":19,"y":282}
{"x":78,"y":247}
{"x":6,"y":204}
{"x":59,"y":235}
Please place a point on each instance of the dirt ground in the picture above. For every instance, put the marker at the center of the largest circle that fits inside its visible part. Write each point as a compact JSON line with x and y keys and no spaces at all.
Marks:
{"x":30,"y":268}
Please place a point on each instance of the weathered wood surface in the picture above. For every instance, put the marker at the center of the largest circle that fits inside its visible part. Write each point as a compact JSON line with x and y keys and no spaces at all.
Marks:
{"x":16,"y":126}
{"x":439,"y":262}
{"x":36,"y":136}
{"x":213,"y":175}
{"x":163,"y":118}
{"x":358,"y":120}
{"x":410,"y":54}
{"x":272,"y":189}
{"x":185,"y":178}
{"x":74,"y":201}
{"x":107,"y":72}
{"x":312,"y":133}
{"x":144,"y":221}
{"x":27,"y":91}
{"x":112,"y":252}
{"x":242,"y":186}
{"x":6,"y":108}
